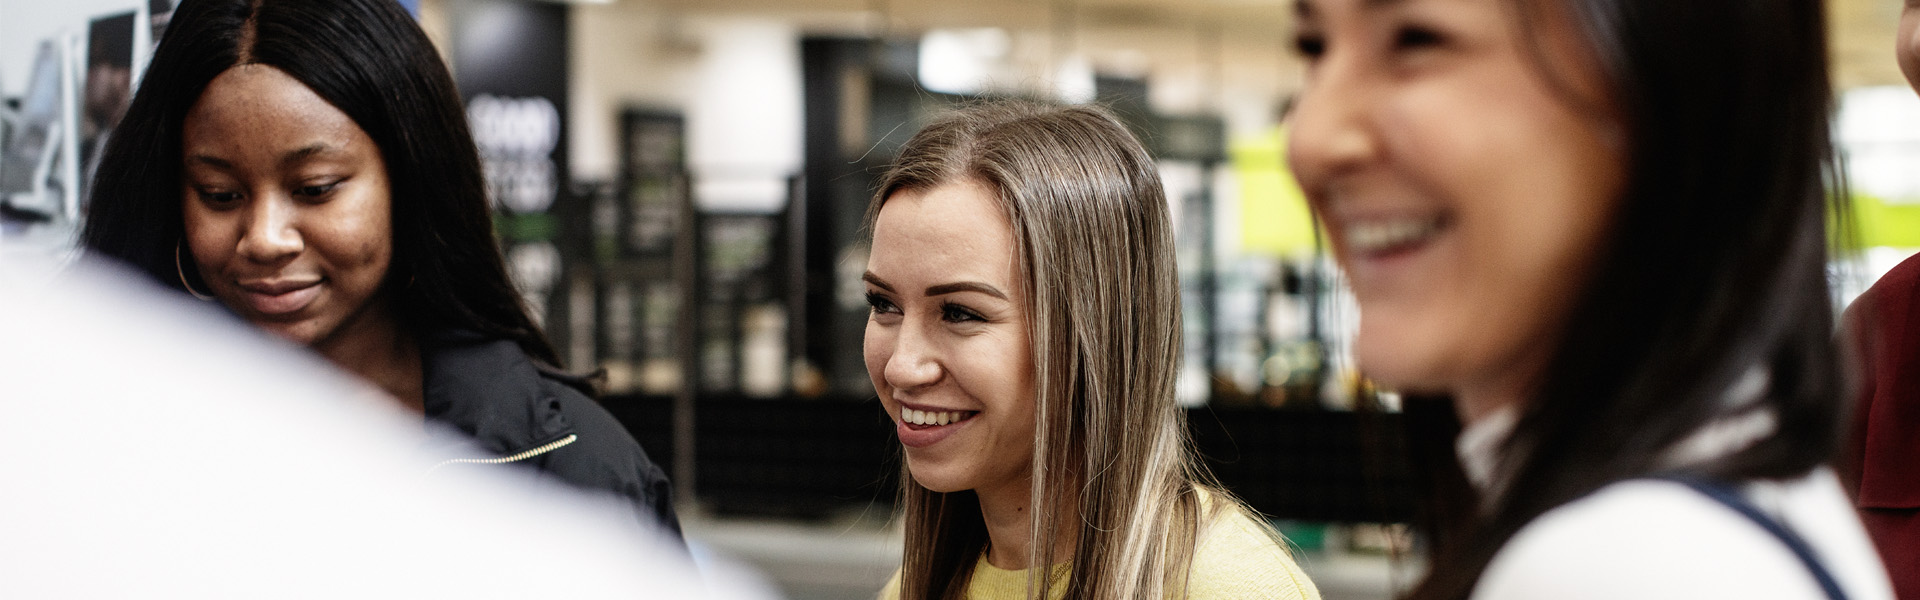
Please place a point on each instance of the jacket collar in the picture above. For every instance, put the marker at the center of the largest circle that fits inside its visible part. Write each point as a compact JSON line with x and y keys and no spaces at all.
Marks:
{"x":489,"y":390}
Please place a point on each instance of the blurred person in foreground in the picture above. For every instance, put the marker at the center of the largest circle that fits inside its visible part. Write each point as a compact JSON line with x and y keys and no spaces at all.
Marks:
{"x":1881,"y":461}
{"x":1024,"y":338}
{"x":1596,"y":227}
{"x":156,"y":449}
{"x":307,"y":164}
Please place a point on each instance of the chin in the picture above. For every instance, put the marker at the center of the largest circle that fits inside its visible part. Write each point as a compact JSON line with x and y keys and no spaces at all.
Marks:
{"x":300,"y":332}
{"x":1400,"y":367}
{"x":937,"y":479}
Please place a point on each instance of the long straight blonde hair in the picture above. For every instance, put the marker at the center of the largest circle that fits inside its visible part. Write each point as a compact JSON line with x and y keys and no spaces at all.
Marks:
{"x":1113,"y":471}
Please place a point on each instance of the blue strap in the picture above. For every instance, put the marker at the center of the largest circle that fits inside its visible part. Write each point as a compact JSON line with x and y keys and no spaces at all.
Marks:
{"x":1729,"y":496}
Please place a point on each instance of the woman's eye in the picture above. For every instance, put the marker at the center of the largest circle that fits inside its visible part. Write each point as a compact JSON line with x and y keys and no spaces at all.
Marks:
{"x":315,"y":191}
{"x":219,"y":199}
{"x":1310,"y":45}
{"x":1416,"y":38}
{"x":954,"y":313}
{"x":881,"y":305}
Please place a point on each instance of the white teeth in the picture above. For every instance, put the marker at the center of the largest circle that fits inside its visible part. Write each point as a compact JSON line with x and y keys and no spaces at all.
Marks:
{"x":1376,"y":236}
{"x":923,"y":417}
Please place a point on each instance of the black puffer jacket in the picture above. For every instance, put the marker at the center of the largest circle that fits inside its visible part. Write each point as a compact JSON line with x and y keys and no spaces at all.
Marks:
{"x":490,"y":390}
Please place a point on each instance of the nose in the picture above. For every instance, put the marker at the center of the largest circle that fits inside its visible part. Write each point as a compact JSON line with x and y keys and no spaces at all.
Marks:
{"x":1331,"y":129}
{"x":272,"y":232}
{"x":916,"y":361}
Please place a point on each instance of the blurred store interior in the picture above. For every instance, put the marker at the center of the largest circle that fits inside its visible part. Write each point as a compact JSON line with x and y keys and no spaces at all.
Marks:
{"x":680,"y":186}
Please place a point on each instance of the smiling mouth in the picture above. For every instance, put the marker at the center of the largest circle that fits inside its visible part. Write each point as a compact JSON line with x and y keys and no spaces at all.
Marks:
{"x":1386,"y":236}
{"x":928,"y":419}
{"x":280,"y":298}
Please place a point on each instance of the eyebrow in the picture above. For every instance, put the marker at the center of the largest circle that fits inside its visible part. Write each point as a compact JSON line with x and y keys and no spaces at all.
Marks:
{"x":209,"y":160}
{"x":1304,"y":8}
{"x":286,"y":159}
{"x":965,"y":286}
{"x":942,"y":289}
{"x":306,"y":153}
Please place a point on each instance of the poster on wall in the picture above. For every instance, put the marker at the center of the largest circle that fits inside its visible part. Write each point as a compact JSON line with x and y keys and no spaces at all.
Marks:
{"x":159,"y":13}
{"x":510,"y":60}
{"x":108,"y":90}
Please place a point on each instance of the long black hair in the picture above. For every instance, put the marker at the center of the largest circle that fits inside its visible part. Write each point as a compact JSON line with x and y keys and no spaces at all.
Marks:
{"x":1715,"y":267}
{"x":369,"y":59}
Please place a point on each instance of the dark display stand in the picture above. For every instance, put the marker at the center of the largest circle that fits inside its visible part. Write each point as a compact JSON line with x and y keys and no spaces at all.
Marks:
{"x":741,"y":269}
{"x":640,"y":245}
{"x":810,"y":459}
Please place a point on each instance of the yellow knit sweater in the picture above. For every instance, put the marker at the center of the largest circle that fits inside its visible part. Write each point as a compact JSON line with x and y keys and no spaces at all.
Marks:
{"x":1234,"y":559}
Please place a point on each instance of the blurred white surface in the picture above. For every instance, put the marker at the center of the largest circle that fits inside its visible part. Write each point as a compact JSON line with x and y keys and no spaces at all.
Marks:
{"x":154,"y":448}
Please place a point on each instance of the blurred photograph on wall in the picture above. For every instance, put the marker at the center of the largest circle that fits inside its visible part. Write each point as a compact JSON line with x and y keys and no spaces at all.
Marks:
{"x":109,"y":88}
{"x":159,"y":13}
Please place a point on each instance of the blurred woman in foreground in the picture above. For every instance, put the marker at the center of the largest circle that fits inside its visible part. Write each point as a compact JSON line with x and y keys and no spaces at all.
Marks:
{"x":1597,"y":226}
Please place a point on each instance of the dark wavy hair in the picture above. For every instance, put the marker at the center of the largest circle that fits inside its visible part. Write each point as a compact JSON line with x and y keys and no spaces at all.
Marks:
{"x":1716,"y":265}
{"x":369,"y":59}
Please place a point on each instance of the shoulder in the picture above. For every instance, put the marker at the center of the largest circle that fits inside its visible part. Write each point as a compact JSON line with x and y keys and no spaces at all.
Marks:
{"x":605,"y":456}
{"x":491,"y":390}
{"x":1235,"y":557}
{"x":1902,"y":279}
{"x":1660,"y":539}
{"x":1885,"y":303}
{"x":457,"y":367}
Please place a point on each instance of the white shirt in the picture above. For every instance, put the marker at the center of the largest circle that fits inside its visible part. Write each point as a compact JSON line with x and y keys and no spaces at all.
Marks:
{"x":1658,"y":539}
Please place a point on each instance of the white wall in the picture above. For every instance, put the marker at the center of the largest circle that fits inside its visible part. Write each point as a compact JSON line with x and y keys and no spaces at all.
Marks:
{"x":623,"y":55}
{"x":736,"y":80}
{"x":744,"y":123}
{"x":25,"y":23}
{"x":1879,"y":133}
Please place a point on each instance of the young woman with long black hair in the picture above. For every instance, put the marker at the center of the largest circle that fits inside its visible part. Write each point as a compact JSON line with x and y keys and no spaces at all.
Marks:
{"x":307,"y":164}
{"x":1597,"y":228}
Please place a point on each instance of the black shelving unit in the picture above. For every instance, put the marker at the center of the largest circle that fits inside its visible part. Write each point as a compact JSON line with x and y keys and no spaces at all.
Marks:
{"x":798,"y":458}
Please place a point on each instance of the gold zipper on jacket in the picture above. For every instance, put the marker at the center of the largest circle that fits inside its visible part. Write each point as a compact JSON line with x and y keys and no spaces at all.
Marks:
{"x":543,"y":449}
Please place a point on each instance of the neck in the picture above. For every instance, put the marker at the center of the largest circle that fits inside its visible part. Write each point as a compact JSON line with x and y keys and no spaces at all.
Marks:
{"x":1512,"y":386}
{"x":1008,"y":513}
{"x":1475,"y":405}
{"x":374,"y":347}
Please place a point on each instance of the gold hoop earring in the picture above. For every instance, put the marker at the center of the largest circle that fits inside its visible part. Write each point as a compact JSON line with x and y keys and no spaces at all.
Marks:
{"x":182,"y":271}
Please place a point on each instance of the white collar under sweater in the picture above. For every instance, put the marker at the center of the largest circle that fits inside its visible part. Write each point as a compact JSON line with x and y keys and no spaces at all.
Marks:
{"x":1478,"y":447}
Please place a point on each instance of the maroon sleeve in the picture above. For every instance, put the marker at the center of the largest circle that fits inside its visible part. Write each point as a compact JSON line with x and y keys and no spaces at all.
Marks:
{"x":1880,"y":462}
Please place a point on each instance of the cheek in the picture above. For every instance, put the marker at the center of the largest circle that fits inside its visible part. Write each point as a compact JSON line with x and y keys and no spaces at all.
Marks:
{"x":1531,"y":186}
{"x":209,"y":236}
{"x":1009,"y":369}
{"x":877,"y":347}
{"x":366,"y":251}
{"x":357,"y":234}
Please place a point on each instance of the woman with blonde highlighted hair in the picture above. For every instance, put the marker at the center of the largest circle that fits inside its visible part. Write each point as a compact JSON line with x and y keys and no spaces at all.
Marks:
{"x":1025,"y":336}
